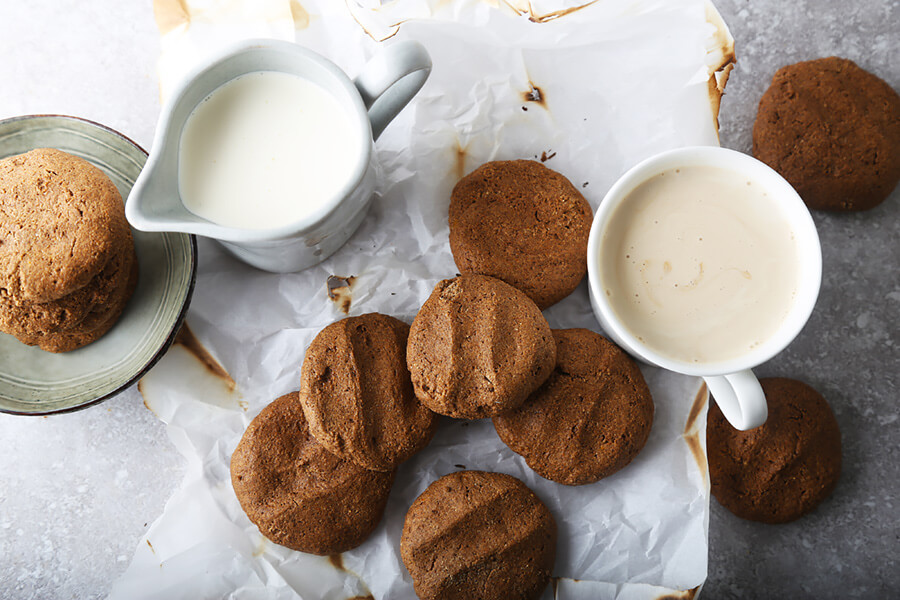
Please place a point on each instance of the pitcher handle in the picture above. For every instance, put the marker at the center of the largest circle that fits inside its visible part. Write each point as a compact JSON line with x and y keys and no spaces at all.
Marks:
{"x":390,"y":80}
{"x":740,"y":397}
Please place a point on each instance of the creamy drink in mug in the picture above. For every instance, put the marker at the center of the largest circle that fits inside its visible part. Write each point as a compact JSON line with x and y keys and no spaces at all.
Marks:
{"x":706,"y":262}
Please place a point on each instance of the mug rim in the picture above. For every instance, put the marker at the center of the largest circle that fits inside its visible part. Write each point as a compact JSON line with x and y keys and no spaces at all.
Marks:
{"x":810,"y":254}
{"x":359,"y":117}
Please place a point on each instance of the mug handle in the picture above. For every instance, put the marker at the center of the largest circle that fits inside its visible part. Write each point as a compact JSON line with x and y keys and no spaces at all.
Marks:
{"x":740,"y":397}
{"x":390,"y":80}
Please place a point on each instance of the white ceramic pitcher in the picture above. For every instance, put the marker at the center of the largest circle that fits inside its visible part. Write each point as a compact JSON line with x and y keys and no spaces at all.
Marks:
{"x":387,"y":83}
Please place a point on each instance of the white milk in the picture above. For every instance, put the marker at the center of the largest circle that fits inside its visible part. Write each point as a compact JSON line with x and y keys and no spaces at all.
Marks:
{"x":699,"y":264}
{"x":265,"y":150}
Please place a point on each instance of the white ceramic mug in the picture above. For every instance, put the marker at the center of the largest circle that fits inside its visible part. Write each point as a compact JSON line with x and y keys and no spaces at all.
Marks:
{"x":387,"y":83}
{"x":731,"y":382}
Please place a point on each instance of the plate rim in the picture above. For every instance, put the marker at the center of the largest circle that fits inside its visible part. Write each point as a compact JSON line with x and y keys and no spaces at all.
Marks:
{"x":170,"y":338}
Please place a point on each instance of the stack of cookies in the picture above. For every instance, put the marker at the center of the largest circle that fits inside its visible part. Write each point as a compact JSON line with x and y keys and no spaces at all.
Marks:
{"x":67,"y":260}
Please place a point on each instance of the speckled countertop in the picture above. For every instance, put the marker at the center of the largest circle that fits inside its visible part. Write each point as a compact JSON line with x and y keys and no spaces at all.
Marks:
{"x":849,"y":351}
{"x":77,"y":491}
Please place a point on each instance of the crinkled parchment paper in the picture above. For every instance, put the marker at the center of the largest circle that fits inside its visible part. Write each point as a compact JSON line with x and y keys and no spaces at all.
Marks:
{"x":590,"y":90}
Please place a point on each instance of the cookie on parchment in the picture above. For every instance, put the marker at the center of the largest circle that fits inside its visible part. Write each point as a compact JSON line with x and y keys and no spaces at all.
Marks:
{"x":589,"y":419}
{"x":480,"y":535}
{"x":523,"y":223}
{"x":357,"y":394}
{"x":783,"y":469}
{"x":300,"y":495}
{"x":478,"y":347}
{"x":832,"y":130}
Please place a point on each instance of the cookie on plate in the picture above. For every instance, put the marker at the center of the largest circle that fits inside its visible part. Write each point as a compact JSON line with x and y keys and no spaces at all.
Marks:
{"x":589,"y":419}
{"x":96,"y":323}
{"x":783,"y":469}
{"x":300,"y":495}
{"x":832,"y":130}
{"x":67,"y":261}
{"x":478,"y":348}
{"x":61,"y":221}
{"x":357,"y":395}
{"x":481,"y":535}
{"x":23,"y":318}
{"x":523,"y":223}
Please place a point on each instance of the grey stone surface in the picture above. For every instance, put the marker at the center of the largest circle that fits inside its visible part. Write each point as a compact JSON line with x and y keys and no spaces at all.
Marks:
{"x":850,"y":350}
{"x":77,"y":491}
{"x":114,"y":466}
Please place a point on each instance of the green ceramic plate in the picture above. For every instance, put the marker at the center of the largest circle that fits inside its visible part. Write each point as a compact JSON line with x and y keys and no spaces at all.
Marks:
{"x":35,"y":382}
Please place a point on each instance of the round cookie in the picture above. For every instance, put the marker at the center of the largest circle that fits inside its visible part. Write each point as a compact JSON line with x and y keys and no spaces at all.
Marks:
{"x":37,"y":318}
{"x":783,"y":469}
{"x":523,"y":223}
{"x":478,"y":348}
{"x":481,"y":535}
{"x":589,"y":419}
{"x":833,"y":131}
{"x":357,"y":395}
{"x":300,"y":495}
{"x":61,"y":220}
{"x":95,"y":324}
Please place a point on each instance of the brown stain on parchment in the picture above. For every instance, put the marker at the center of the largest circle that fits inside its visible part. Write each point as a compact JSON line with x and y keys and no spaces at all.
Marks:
{"x":462,"y":153}
{"x":534,"y":94}
{"x":692,"y":433}
{"x":524,"y":8}
{"x":521,"y":7}
{"x":299,"y":14}
{"x":394,"y":27}
{"x":151,"y":547}
{"x":723,"y":43}
{"x":186,"y":338}
{"x":337,"y":561}
{"x":682,"y":595}
{"x":170,"y":14}
{"x":693,"y":442}
{"x":340,"y":291}
{"x":140,"y":387}
{"x":696,"y":408}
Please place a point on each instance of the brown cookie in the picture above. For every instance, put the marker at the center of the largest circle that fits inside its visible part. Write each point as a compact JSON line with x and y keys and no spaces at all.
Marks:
{"x":38,"y":318}
{"x":357,"y":395}
{"x":480,"y":535}
{"x":783,"y":469}
{"x":96,"y":323}
{"x":523,"y":223}
{"x":833,"y":131}
{"x":300,"y":495}
{"x":61,"y":220}
{"x":478,"y":348}
{"x":589,"y":419}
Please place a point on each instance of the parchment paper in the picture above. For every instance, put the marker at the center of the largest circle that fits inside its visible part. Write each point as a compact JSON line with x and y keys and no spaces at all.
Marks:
{"x":589,"y":91}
